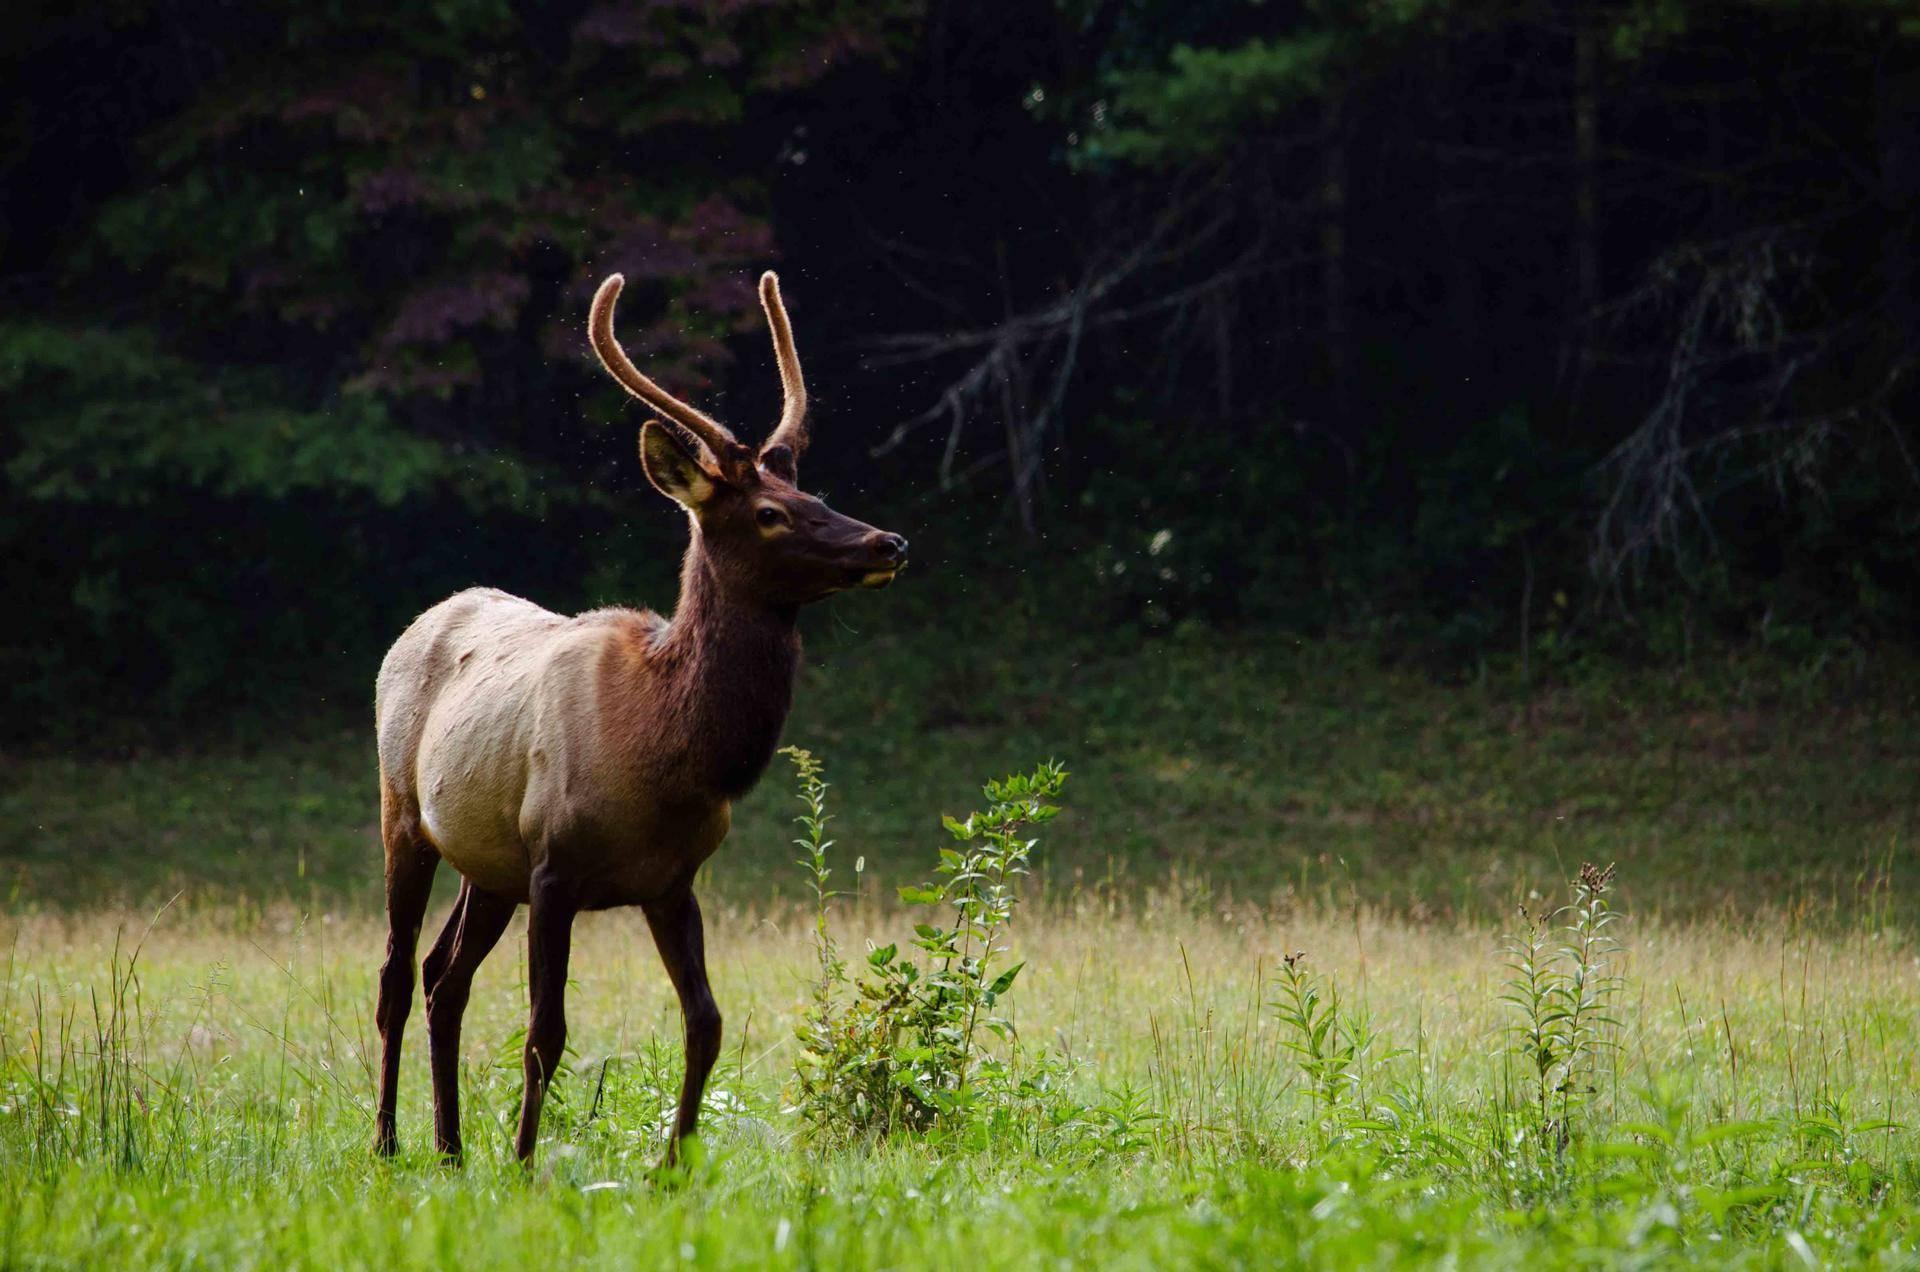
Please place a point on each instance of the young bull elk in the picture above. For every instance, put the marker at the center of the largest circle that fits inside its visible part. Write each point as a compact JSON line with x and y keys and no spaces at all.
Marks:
{"x":581,"y":763}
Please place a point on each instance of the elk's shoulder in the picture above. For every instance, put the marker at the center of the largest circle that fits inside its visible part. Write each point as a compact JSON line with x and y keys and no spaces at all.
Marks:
{"x":625,"y":631}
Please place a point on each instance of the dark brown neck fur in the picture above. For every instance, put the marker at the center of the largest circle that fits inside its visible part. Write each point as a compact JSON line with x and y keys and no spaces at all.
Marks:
{"x":727,"y":664}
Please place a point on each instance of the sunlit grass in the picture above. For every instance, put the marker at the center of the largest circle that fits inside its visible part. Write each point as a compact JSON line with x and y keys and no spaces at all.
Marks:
{"x":214,"y":1104}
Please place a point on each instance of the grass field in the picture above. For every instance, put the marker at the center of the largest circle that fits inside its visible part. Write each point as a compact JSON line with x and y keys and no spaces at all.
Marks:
{"x":1751,"y":1103}
{"x":1247,"y":770}
{"x":217,"y":1112}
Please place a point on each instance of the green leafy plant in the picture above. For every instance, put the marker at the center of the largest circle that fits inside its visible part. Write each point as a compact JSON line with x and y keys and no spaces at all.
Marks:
{"x":816,"y":1034}
{"x":1332,"y":1045}
{"x":1561,"y":989}
{"x":905,"y":1045}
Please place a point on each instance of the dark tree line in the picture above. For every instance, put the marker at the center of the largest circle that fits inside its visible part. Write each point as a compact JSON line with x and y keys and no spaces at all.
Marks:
{"x":1495,"y":329}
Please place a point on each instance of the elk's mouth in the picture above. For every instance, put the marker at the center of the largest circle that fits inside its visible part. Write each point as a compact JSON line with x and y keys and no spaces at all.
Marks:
{"x":875,"y":579}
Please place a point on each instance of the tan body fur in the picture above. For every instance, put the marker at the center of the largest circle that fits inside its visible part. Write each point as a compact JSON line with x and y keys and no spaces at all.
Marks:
{"x":512,"y":733}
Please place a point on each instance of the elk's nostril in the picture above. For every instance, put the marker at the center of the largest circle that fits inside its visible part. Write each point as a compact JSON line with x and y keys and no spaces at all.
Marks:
{"x":894,"y":547}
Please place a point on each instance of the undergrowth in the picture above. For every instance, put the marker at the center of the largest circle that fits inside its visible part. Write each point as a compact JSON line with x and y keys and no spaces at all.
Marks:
{"x":1308,"y":1076}
{"x":903,"y":1043}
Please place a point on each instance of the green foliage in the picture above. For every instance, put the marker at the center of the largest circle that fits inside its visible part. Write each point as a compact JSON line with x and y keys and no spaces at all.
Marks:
{"x":1233,"y":533}
{"x":1643,"y":28}
{"x":105,"y":417}
{"x":468,"y":141}
{"x":1775,"y":511}
{"x":818,"y":1032}
{"x":171,"y":522}
{"x":302,"y":327}
{"x":1201,"y":105}
{"x":1192,"y":101}
{"x":332,"y":294}
{"x":1333,"y":1045}
{"x":1209,"y":101}
{"x":1562,"y":989}
{"x":909,"y":1052}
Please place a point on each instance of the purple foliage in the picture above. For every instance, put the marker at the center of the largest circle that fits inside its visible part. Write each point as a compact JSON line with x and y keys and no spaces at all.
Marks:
{"x":719,"y":229}
{"x":842,"y":44}
{"x":432,"y":314}
{"x":262,"y":280}
{"x":621,"y":26}
{"x":719,"y":51}
{"x":389,"y":188}
{"x":718,"y":292}
{"x":716,"y":238}
{"x":353,"y":105}
{"x":636,"y":24}
{"x":649,"y":251}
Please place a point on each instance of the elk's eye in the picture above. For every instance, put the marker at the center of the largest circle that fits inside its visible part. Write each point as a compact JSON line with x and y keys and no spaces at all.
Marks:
{"x":769,"y":517}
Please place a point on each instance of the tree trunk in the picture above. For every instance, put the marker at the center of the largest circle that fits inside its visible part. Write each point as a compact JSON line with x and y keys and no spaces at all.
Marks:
{"x":1333,"y":249}
{"x":1586,"y":199}
{"x":1898,"y":125}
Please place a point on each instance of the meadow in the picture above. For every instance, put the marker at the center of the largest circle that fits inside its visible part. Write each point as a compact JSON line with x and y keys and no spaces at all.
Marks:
{"x":1266,"y":1013}
{"x":1258,"y":769}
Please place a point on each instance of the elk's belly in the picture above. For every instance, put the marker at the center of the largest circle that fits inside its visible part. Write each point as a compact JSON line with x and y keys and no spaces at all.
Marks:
{"x":477,"y":841}
{"x":495,"y":822}
{"x":471,"y":779}
{"x":618,"y":856}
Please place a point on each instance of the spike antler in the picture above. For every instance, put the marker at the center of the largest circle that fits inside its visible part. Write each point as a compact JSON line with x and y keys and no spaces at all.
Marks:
{"x":792,"y":430}
{"x":734,"y":460}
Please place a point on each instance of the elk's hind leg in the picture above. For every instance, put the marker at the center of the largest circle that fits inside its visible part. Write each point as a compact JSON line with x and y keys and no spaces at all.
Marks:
{"x":473,"y":929}
{"x":411,"y":860}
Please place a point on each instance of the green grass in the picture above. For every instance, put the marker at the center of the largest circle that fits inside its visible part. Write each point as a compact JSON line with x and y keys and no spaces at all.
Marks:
{"x":1242,"y":769}
{"x":1231,"y":803}
{"x":215,"y":1111}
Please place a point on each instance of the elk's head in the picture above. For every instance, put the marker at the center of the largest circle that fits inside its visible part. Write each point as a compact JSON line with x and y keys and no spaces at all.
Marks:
{"x":762,"y":534}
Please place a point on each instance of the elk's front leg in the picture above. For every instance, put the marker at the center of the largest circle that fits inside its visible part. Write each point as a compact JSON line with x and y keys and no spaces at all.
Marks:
{"x":677,"y":930}
{"x":550,"y":914}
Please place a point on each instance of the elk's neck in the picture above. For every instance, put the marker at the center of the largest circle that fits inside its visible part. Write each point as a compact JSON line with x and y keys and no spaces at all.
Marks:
{"x":730,"y":663}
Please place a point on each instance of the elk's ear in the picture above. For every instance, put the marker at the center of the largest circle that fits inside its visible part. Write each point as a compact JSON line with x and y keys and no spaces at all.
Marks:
{"x":778,"y":460}
{"x":672,"y":468}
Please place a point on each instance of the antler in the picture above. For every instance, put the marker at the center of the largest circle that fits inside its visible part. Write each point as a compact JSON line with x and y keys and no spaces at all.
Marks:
{"x":733,"y":458}
{"x":792,"y":430}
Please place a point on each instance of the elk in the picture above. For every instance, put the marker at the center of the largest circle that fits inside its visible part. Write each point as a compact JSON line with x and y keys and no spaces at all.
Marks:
{"x":583,"y":763}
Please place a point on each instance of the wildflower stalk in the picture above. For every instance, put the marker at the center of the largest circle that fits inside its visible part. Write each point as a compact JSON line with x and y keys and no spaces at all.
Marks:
{"x":1561,"y":989}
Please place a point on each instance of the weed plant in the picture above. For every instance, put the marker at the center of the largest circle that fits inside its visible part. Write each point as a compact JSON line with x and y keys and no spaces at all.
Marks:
{"x":1561,"y":989}
{"x":903,"y":1044}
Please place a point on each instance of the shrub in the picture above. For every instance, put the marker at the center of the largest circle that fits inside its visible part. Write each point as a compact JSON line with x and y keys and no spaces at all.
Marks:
{"x":904,"y":1044}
